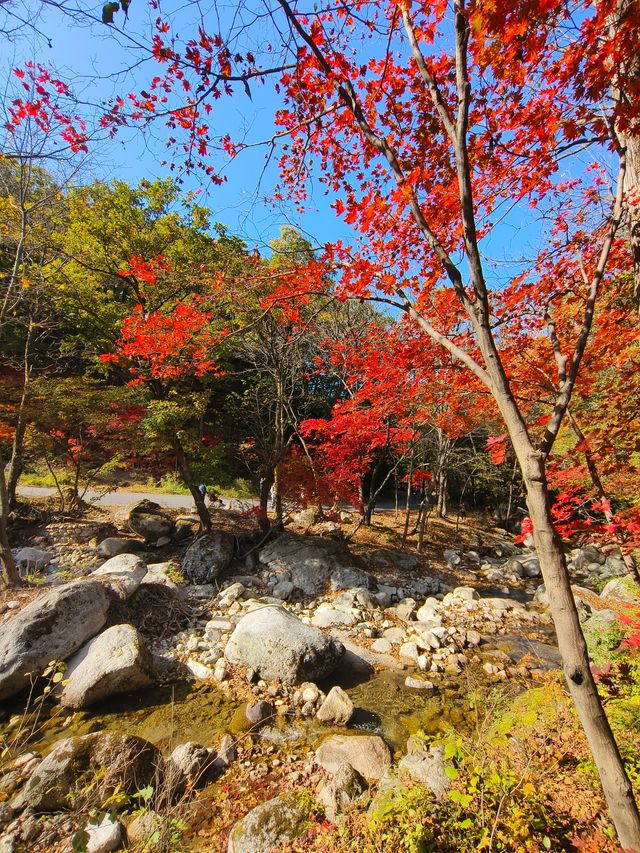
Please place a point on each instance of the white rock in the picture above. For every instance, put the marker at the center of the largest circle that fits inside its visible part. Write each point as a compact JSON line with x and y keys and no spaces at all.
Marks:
{"x":123,"y":574}
{"x":199,"y":670}
{"x":418,"y":684}
{"x":409,"y":651}
{"x":104,"y":837}
{"x":116,"y":661}
{"x":466,"y":593}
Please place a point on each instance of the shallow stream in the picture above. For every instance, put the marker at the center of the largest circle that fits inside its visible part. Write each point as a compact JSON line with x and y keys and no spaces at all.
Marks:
{"x":184,"y":711}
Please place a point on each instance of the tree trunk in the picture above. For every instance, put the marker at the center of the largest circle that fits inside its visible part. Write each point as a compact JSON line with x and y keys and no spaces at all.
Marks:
{"x":441,"y":476}
{"x":631,"y":142}
{"x":277,"y":503}
{"x":575,"y":659}
{"x":185,"y":472}
{"x":407,"y":509}
{"x":442,"y":493}
{"x":265,"y":488}
{"x":8,"y":573}
{"x":17,"y":447}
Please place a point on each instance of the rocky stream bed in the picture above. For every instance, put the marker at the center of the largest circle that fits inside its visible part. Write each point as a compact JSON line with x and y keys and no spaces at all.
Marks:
{"x":192,"y":661}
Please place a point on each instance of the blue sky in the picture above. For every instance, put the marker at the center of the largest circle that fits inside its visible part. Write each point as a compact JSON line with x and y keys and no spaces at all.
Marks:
{"x":95,"y":58}
{"x":92,"y":58}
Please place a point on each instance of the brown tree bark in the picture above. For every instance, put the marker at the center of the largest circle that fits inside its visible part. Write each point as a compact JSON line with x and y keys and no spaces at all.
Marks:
{"x":185,"y":472}
{"x":9,"y":575}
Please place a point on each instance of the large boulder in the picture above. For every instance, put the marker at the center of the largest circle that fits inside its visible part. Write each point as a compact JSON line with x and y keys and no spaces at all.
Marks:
{"x":52,"y":627}
{"x":269,"y":825}
{"x":115,"y":760}
{"x":207,"y":558}
{"x":147,"y":519}
{"x":116,"y":661}
{"x":271,"y":641}
{"x":123,"y":574}
{"x":307,"y":562}
{"x":368,"y":754}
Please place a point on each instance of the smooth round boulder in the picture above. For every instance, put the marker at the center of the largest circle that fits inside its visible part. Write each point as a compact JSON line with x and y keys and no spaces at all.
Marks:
{"x":116,"y":661}
{"x":271,"y":641}
{"x":207,"y":558}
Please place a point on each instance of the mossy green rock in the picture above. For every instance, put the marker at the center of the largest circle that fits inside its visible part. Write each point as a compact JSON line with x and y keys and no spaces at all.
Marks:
{"x":269,"y":824}
{"x":603,"y":633}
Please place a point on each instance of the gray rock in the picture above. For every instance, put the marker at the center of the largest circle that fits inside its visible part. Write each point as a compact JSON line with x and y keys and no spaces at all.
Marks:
{"x":103,"y":837}
{"x":452,"y":557}
{"x":395,"y":634}
{"x":269,"y":825}
{"x":116,"y":661}
{"x":112,"y":546}
{"x":199,"y":670}
{"x":343,"y":578}
{"x":119,"y":760}
{"x":382,"y":646}
{"x":32,"y":559}
{"x":341,"y":791}
{"x":147,"y":519}
{"x":207,"y":558}
{"x":50,"y":628}
{"x":614,"y":566}
{"x":409,"y":651}
{"x":277,"y":645}
{"x":428,"y":769}
{"x":187,"y":767}
{"x":589,"y":554}
{"x":305,"y":561}
{"x":283,"y":590}
{"x":123,"y":574}
{"x":259,"y":713}
{"x":368,"y":754}
{"x":336,"y":709}
{"x":527,"y":566}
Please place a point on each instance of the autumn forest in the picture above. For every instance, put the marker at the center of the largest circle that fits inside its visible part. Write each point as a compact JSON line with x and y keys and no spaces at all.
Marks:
{"x":341,"y":302}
